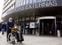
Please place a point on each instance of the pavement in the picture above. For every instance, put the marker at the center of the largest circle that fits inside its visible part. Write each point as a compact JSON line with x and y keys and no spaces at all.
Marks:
{"x":34,"y":40}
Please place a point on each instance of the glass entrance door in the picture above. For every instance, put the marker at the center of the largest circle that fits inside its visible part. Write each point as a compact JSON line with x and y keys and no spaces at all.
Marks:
{"x":47,"y":27}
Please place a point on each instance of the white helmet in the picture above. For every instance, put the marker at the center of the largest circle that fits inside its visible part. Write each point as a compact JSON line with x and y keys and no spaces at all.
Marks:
{"x":10,"y":19}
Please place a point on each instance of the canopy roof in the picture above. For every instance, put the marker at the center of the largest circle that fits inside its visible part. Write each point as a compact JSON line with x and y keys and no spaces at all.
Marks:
{"x":45,"y":17}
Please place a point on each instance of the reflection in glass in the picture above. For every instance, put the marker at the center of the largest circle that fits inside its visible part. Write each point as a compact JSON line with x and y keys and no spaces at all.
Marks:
{"x":30,"y":1}
{"x":27,"y":1}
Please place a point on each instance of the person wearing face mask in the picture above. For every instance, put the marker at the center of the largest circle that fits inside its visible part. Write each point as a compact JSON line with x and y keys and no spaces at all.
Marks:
{"x":10,"y":24}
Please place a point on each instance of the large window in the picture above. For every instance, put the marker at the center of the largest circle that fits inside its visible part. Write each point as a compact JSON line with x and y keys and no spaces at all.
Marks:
{"x":34,"y":1}
{"x":30,"y":1}
{"x":43,"y":0}
{"x":38,"y":0}
{"x":12,"y":7}
{"x":21,"y":2}
{"x":24,"y":1}
{"x":27,"y":1}
{"x":18,"y":3}
{"x":9,"y":8}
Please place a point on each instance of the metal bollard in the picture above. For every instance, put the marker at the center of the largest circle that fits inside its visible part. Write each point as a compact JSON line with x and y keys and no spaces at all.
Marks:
{"x":58,"y":33}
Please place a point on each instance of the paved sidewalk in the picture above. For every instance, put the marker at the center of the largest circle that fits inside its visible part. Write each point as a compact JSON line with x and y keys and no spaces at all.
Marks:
{"x":42,"y":40}
{"x":3,"y":39}
{"x":34,"y":40}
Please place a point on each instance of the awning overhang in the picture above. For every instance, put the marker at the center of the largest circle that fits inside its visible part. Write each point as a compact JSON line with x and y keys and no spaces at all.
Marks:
{"x":45,"y":17}
{"x":46,"y":11}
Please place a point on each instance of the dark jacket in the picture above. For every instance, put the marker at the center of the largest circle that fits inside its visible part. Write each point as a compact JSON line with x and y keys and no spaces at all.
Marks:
{"x":9,"y":26}
{"x":3,"y":26}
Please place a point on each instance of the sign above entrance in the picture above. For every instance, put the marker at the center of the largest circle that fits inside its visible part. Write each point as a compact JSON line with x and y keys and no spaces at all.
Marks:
{"x":32,"y":24}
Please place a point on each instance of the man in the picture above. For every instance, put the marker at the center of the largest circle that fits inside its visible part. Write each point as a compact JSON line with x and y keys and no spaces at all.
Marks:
{"x":10,"y":24}
{"x":3,"y":28}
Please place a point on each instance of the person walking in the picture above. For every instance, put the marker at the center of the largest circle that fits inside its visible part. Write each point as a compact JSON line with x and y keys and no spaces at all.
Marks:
{"x":3,"y":28}
{"x":9,"y":26}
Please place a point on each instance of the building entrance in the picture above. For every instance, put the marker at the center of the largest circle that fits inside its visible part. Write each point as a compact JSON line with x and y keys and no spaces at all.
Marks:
{"x":47,"y":26}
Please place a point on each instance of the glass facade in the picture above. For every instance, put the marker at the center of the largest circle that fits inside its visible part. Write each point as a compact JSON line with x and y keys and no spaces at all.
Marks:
{"x":32,"y":16}
{"x":59,"y":2}
{"x":26,"y":2}
{"x":34,"y":1}
{"x":31,"y":1}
